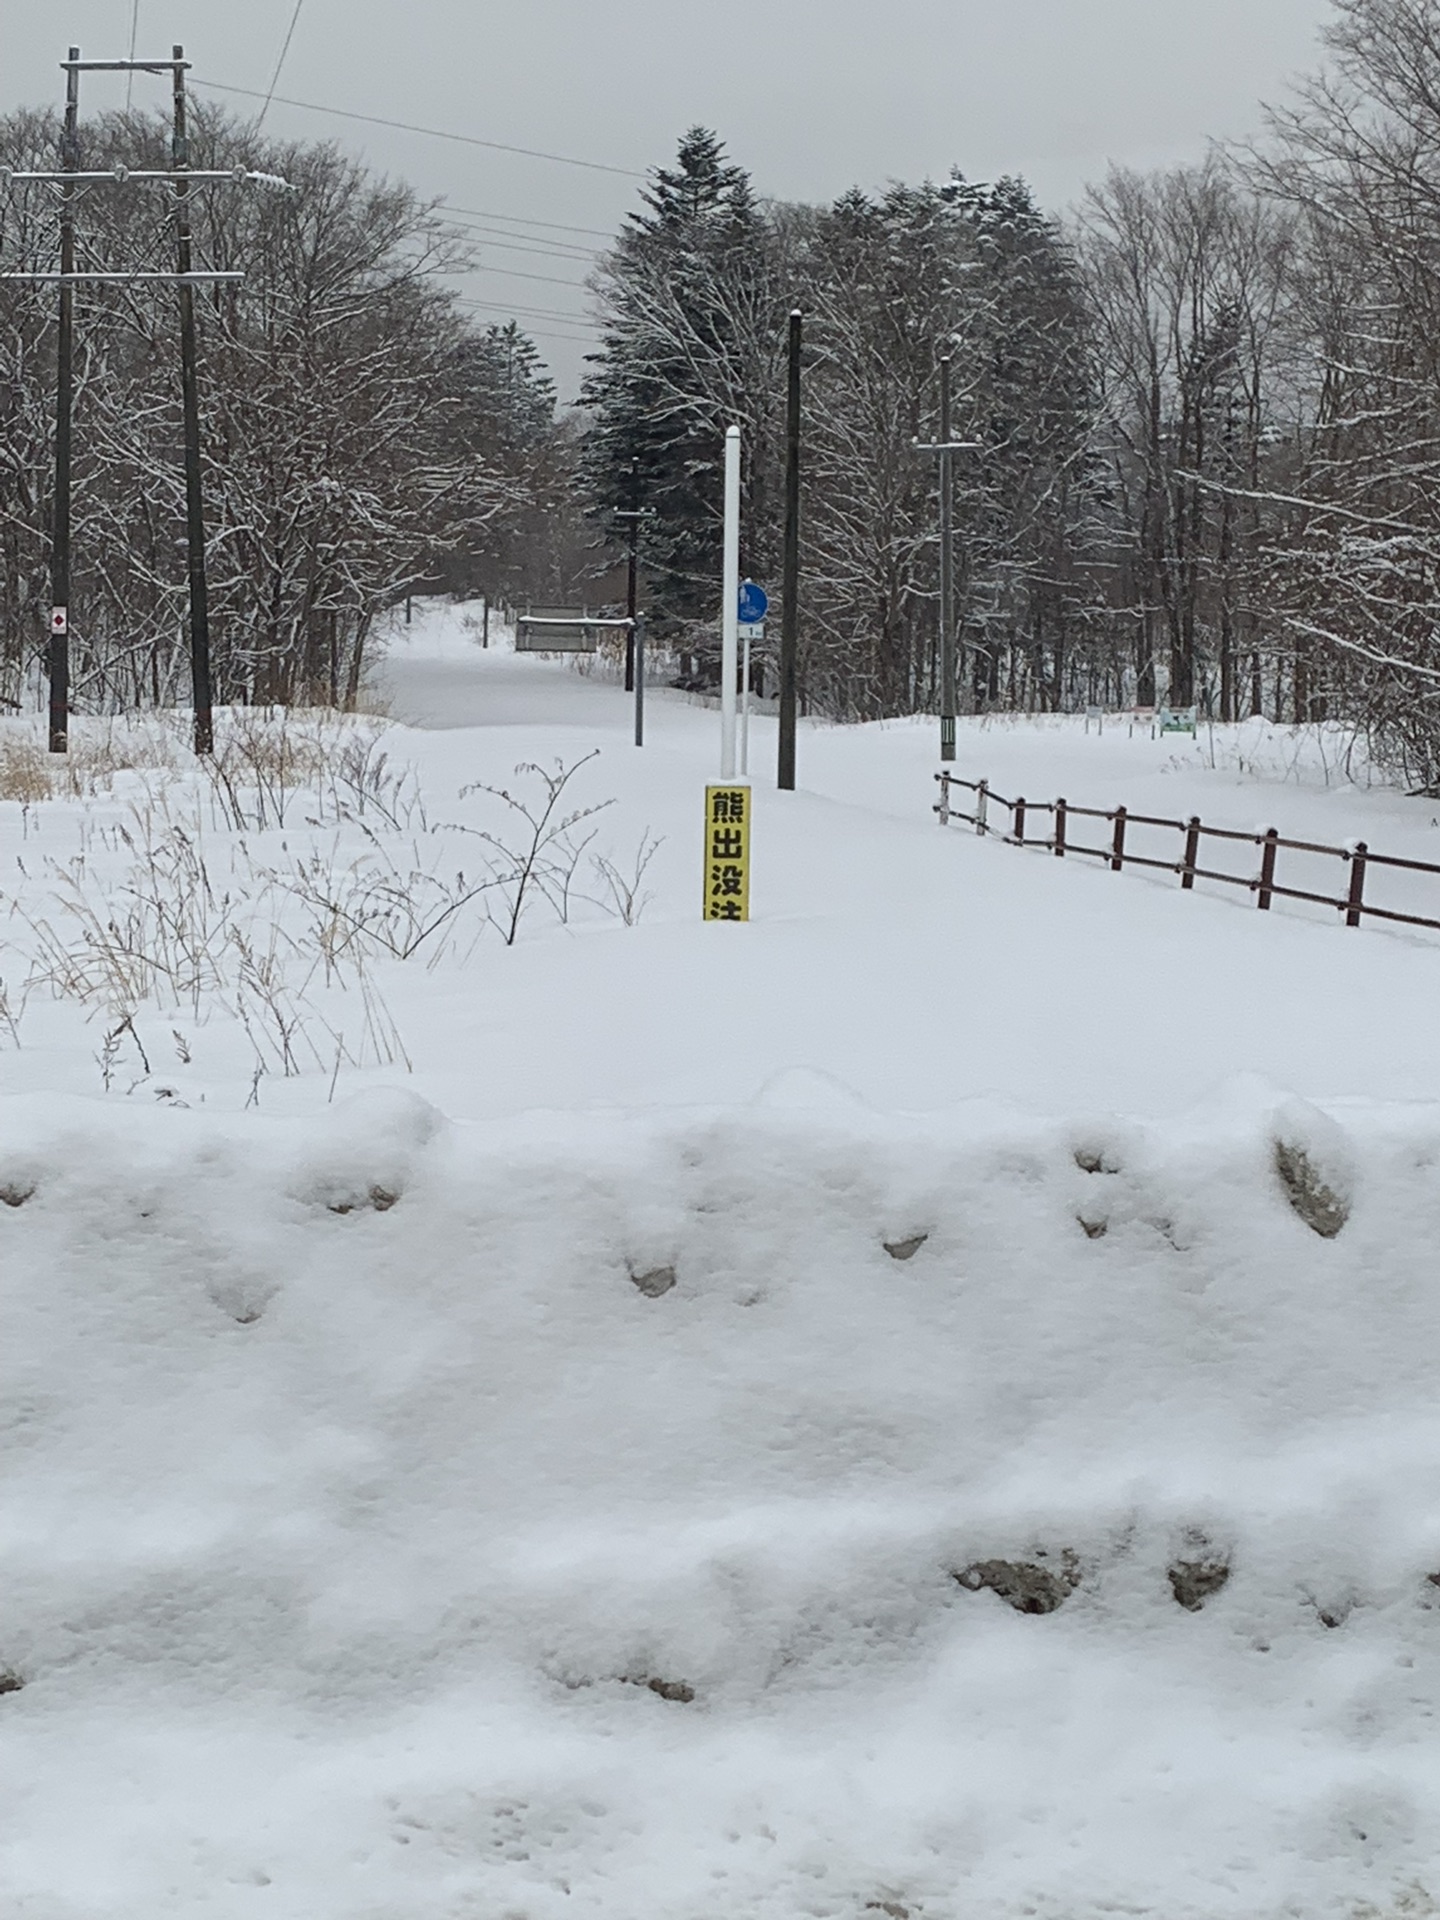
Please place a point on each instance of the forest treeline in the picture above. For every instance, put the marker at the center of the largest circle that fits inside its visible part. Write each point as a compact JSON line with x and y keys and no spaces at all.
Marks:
{"x":361,"y":436}
{"x":1202,"y":416}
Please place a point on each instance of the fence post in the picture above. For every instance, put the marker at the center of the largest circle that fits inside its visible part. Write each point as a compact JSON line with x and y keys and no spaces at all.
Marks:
{"x":1020,"y":823}
{"x":1267,"y":869}
{"x":1192,"y":853}
{"x":1354,"y":907}
{"x":982,"y":807}
{"x":1060,"y":829}
{"x":1117,"y":851}
{"x":944,"y":807}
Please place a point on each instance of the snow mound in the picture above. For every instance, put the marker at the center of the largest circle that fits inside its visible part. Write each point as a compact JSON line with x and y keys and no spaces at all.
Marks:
{"x":790,"y":1510}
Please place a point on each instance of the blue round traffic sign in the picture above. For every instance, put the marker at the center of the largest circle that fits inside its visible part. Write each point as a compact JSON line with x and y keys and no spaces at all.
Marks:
{"x":754,"y":602}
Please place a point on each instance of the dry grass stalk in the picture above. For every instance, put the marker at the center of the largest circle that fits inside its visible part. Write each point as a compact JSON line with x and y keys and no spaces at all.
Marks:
{"x":100,"y":749}
{"x":625,"y":893}
{"x":24,"y":774}
{"x":546,"y":853}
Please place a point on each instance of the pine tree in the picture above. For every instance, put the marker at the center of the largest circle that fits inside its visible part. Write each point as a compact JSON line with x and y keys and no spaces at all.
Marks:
{"x":509,"y":389}
{"x":502,"y":417}
{"x":691,"y":340}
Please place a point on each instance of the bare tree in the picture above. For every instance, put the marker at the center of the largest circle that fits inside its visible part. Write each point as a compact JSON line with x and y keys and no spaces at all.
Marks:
{"x":332,"y":384}
{"x":1357,"y":580}
{"x":1190,"y":284}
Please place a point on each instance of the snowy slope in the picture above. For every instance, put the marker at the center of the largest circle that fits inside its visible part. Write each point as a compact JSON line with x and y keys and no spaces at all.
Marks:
{"x":416,"y":1561}
{"x":917,"y":966}
{"x":590,"y":1472}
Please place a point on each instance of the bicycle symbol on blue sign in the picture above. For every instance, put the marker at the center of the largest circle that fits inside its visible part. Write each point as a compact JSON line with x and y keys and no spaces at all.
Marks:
{"x":754,"y":604}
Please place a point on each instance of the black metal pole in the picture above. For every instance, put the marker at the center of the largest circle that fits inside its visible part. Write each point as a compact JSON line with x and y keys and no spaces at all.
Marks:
{"x":790,"y":581}
{"x":59,"y":652}
{"x":632,"y":585}
{"x":637,"y":644}
{"x":200,"y":677}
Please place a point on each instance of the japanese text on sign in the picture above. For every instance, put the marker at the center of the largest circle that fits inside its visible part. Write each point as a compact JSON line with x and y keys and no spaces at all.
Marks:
{"x":727,"y":853}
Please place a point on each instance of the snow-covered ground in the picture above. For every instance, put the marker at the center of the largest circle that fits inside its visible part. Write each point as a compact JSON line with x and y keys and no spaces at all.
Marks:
{"x":574,"y":1443}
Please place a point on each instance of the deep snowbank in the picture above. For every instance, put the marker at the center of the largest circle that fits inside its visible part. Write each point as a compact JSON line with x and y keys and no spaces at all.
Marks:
{"x":375,"y":1545}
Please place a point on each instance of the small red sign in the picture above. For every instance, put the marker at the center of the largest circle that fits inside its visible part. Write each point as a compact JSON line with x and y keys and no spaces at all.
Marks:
{"x":59,"y":620}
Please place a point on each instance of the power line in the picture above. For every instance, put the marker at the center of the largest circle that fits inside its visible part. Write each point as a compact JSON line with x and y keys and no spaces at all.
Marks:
{"x":529,"y":313}
{"x":279,"y":65}
{"x":433,"y":133}
{"x":514,"y":273}
{"x":515,"y":219}
{"x":571,"y":339}
{"x":134,"y":36}
{"x":538,"y":313}
{"x":524,"y":242}
{"x":578,"y":256}
{"x":527,"y":326}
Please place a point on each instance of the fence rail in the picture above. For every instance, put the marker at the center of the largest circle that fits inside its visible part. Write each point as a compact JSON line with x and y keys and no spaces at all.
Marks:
{"x":1357,"y":856}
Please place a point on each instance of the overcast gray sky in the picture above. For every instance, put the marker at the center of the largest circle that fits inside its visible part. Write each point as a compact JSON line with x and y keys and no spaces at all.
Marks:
{"x":811,"y":97}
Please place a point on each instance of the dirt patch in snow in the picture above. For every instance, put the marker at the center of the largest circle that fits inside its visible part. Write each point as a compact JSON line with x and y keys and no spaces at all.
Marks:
{"x":655,"y":1282}
{"x":1194,"y":1581}
{"x":1029,"y":1586}
{"x":1318,"y":1204}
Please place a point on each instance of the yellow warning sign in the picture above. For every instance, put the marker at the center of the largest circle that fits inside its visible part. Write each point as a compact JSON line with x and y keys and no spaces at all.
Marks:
{"x":727,"y":853}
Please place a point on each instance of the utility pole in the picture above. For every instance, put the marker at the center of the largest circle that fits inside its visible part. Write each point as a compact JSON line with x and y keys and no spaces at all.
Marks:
{"x":202,"y":689}
{"x":59,"y":660}
{"x":180,"y":177}
{"x":632,"y":595}
{"x":790,"y":580}
{"x":948,"y":699}
{"x":947,"y":448}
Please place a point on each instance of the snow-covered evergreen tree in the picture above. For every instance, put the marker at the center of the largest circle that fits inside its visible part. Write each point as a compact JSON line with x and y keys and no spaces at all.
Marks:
{"x":692,"y":308}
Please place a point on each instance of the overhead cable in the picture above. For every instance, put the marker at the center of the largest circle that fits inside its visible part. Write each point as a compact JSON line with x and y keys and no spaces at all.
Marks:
{"x":134,"y":36}
{"x":519,"y":220}
{"x":433,"y":133}
{"x":514,"y":273}
{"x":545,"y":331}
{"x":579,"y":256}
{"x":571,"y":339}
{"x":539,"y":313}
{"x":279,"y":66}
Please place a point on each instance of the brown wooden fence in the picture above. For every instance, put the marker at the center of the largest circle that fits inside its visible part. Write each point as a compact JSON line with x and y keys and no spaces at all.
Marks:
{"x":1060,"y":840}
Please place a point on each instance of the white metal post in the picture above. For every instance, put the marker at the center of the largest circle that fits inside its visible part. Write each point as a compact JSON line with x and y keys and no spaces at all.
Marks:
{"x":745,"y":711}
{"x":730,"y":605}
